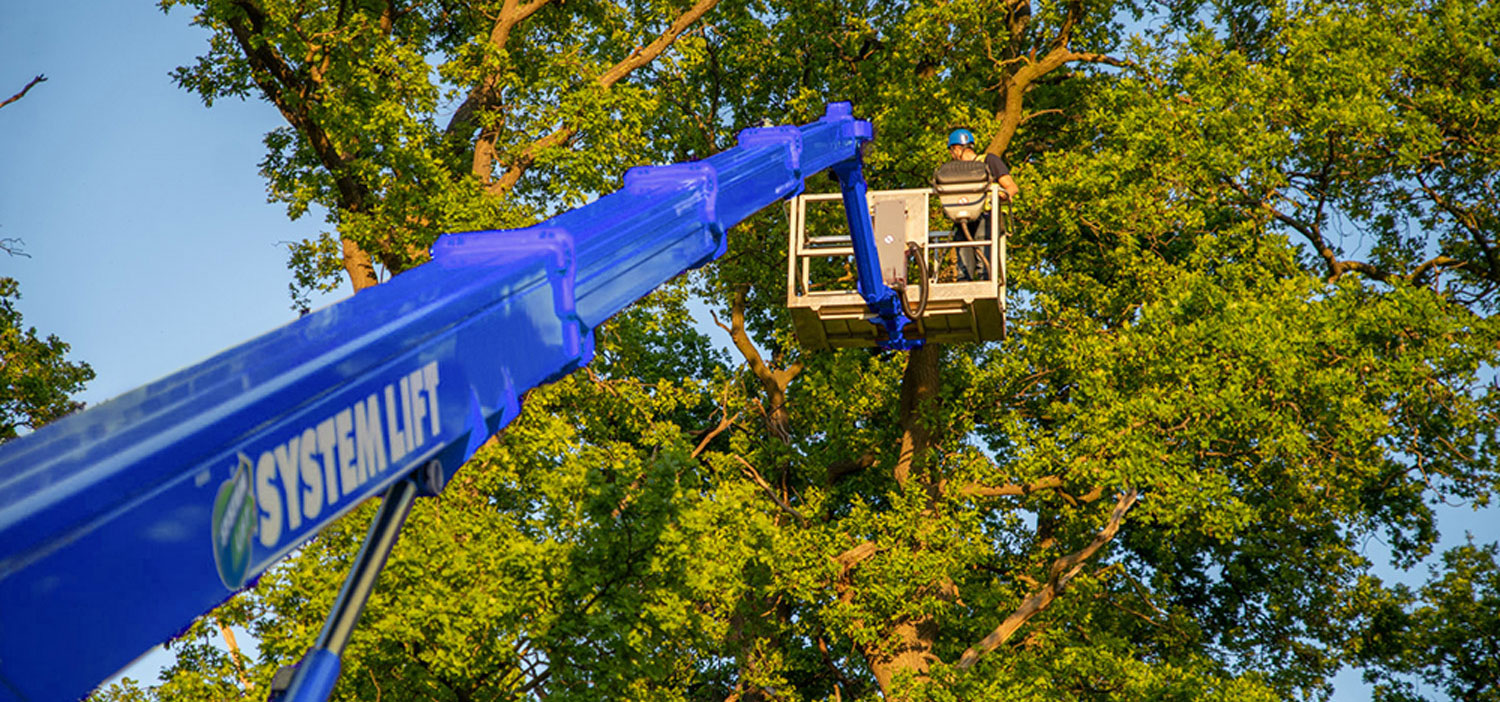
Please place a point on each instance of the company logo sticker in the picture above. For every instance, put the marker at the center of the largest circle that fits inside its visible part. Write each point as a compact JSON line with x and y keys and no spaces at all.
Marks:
{"x":234,"y":525}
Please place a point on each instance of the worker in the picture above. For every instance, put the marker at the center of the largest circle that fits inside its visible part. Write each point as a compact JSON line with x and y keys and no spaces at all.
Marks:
{"x":961,"y":148}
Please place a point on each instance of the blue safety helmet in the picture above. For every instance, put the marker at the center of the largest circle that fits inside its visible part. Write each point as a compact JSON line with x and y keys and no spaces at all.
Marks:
{"x":960,"y":137}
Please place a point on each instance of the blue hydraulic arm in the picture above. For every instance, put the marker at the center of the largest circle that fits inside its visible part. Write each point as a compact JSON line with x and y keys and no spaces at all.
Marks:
{"x":121,"y":524}
{"x":884,"y":302}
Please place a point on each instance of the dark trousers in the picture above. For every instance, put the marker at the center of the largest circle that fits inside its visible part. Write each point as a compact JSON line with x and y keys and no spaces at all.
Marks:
{"x":970,"y":265}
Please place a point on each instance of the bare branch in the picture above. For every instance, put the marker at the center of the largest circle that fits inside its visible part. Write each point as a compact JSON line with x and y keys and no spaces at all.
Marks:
{"x":839,"y":470}
{"x":780,"y":501}
{"x":718,"y":323}
{"x":1065,"y":32}
{"x":1050,"y":482}
{"x":1058,"y":576}
{"x":1021,"y":79}
{"x":641,"y":57}
{"x":1017,"y":18}
{"x":1438,"y":263}
{"x":724,"y":423}
{"x":27,"y":89}
{"x":12,"y":246}
{"x":774,"y":382}
{"x":630,"y":491}
{"x":853,"y":557}
{"x":1313,"y":233}
{"x":843,"y":681}
{"x":746,"y":347}
{"x":1470,"y":223}
{"x":234,"y":654}
{"x":1039,"y":113}
{"x":1011,"y":114}
{"x":1141,"y":593}
{"x":1020,"y":69}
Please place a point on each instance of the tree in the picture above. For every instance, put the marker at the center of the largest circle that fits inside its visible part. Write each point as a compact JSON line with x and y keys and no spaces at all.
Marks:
{"x":36,"y":377}
{"x":397,"y":150}
{"x":1253,"y":315}
{"x":1447,"y":639}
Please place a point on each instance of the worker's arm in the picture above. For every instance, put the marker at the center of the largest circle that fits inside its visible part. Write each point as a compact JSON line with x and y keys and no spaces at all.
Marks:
{"x":1000,"y":171}
{"x":1008,"y":184}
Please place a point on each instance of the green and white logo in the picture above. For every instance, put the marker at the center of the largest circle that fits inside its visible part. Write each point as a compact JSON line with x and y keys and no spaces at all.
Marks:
{"x":234,"y":525}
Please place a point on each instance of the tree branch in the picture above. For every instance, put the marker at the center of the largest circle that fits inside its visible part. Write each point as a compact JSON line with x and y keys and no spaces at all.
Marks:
{"x":1470,"y":224}
{"x":724,"y":423}
{"x":1050,"y":482}
{"x":1013,"y":86}
{"x":853,"y":557}
{"x":839,"y":470}
{"x":275,"y":77}
{"x":637,"y":58}
{"x":12,"y":246}
{"x":1065,"y":31}
{"x":1439,"y":263}
{"x":1312,"y":232}
{"x":234,"y":654}
{"x":27,"y":89}
{"x":1017,"y":20}
{"x":641,"y":57}
{"x":774,"y":382}
{"x":843,"y":681}
{"x":1059,"y":575}
{"x":484,"y":96}
{"x":780,"y":501}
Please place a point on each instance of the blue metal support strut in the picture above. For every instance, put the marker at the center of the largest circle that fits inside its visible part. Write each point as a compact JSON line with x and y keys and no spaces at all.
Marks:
{"x":884,"y":302}
{"x":319,"y":669}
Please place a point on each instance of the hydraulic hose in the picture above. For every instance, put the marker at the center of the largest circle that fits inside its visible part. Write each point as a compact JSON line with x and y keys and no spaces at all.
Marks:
{"x":922,"y":274}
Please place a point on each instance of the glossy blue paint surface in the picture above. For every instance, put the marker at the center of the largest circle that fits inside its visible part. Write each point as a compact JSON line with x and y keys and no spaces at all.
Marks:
{"x":320,"y":672}
{"x":883,"y":301}
{"x":109,"y":542}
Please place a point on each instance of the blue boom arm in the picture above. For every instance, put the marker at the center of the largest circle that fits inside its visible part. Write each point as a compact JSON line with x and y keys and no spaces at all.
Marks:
{"x":884,"y":303}
{"x":121,"y":524}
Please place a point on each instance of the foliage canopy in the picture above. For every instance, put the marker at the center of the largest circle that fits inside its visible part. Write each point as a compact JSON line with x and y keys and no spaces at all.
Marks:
{"x":36,"y":379}
{"x":1253,"y":294}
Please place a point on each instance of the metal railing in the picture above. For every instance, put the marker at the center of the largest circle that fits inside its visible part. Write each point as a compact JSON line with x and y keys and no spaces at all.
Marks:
{"x":938,"y":247}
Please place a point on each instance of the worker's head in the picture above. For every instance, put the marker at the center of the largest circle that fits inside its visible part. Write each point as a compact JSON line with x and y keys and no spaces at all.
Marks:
{"x":960,"y":141}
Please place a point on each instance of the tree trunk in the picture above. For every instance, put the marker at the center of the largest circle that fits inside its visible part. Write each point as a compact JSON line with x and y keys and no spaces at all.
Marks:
{"x":358,"y":265}
{"x":913,"y":638}
{"x":919,"y":390}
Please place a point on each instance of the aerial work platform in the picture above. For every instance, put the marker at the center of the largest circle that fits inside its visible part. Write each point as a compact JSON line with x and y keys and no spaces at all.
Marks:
{"x":829,"y":312}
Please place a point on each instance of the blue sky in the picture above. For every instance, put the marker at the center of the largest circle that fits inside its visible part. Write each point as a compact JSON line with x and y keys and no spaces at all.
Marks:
{"x":151,"y":242}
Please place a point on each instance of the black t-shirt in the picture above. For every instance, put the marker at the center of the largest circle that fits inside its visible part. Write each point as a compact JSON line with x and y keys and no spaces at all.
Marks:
{"x":996,"y":166}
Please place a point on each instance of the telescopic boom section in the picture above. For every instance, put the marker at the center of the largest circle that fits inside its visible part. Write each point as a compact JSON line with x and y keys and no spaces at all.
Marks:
{"x":121,"y":524}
